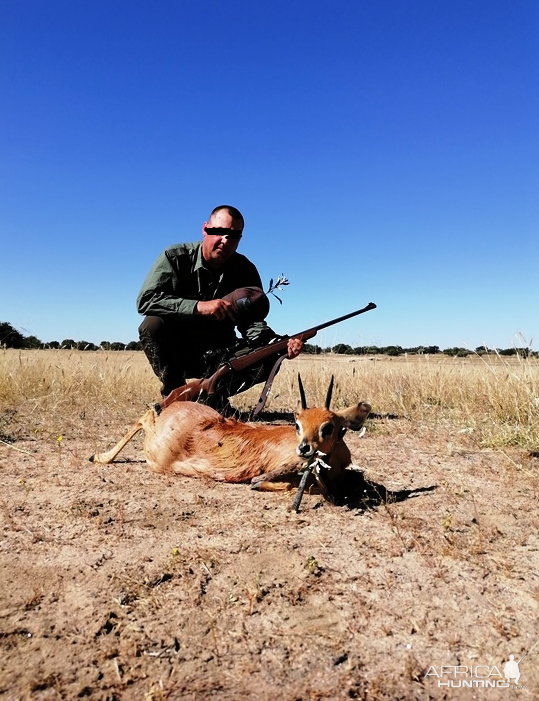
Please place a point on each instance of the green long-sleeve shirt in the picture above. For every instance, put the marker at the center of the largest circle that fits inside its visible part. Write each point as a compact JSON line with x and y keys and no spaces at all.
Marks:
{"x":179,"y":279}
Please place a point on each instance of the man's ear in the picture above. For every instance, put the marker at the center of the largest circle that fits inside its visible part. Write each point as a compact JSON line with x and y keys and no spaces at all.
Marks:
{"x":204,"y":228}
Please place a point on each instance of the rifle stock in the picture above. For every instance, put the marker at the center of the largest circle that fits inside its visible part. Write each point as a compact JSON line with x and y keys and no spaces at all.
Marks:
{"x":194,"y":390}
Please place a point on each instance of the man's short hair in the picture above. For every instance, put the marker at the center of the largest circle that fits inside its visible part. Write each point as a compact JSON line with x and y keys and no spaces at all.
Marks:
{"x":234,"y":213}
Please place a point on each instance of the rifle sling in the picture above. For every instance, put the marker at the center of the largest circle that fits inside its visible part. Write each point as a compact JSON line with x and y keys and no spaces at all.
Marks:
{"x":264,"y":395}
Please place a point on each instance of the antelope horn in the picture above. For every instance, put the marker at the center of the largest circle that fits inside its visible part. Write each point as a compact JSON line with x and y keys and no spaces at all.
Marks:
{"x":330,"y":392}
{"x":302,"y":393}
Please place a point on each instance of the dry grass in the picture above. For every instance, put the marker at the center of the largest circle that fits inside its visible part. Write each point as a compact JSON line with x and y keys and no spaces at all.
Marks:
{"x":174,"y":588}
{"x":494,"y":400}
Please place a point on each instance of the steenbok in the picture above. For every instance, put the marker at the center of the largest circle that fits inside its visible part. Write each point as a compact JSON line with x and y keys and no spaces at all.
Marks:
{"x":192,"y":439}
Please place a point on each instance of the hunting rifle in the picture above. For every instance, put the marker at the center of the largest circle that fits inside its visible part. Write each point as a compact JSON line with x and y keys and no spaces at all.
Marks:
{"x":199,"y":389}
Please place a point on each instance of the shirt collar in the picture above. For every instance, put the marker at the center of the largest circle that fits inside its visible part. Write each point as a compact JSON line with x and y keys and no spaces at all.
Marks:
{"x":199,"y":263}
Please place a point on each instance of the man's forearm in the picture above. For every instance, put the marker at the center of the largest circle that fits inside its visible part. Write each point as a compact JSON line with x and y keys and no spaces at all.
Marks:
{"x":158,"y":304}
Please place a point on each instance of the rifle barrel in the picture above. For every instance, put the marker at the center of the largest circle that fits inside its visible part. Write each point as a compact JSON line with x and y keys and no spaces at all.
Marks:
{"x":280,"y":346}
{"x":370,"y":305}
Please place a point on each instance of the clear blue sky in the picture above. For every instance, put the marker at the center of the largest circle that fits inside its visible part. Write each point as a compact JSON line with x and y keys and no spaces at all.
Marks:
{"x":380,"y":150}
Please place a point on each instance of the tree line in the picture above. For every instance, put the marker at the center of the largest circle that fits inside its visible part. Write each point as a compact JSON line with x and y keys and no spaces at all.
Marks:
{"x":393,"y":351}
{"x":11,"y":338}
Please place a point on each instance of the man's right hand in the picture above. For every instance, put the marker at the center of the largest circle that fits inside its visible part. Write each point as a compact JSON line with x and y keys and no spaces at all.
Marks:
{"x":218,"y":308}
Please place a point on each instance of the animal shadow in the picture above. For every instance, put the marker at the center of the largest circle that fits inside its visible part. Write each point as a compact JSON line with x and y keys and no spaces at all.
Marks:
{"x":269,"y":417}
{"x":288,"y":416}
{"x":356,"y":492}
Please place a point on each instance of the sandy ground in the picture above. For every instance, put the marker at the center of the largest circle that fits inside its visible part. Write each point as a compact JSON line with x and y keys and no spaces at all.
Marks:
{"x":118,"y":583}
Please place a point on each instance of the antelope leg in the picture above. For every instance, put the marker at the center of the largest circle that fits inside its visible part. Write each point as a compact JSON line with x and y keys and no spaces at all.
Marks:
{"x":269,"y":477}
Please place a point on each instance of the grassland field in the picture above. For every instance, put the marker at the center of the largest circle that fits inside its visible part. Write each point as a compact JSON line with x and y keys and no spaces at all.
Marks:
{"x":118,"y":583}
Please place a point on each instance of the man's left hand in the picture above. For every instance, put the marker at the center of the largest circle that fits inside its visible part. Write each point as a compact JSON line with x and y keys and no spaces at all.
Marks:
{"x":295,"y":346}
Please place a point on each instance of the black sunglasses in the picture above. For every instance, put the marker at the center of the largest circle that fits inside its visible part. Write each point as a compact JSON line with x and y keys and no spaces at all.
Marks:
{"x":232,"y":234}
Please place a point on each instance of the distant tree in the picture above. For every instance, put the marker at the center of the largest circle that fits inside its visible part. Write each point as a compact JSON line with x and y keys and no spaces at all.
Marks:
{"x":52,"y":344}
{"x":366,"y":350}
{"x":133,"y":346}
{"x":312,"y":349}
{"x":31,"y":342}
{"x":9,"y":336}
{"x":456,"y":352}
{"x":481,"y":350}
{"x":392,"y":350}
{"x":105,"y":345}
{"x":117,"y":346}
{"x":422,"y":350}
{"x":68,"y":343}
{"x":523,"y":352}
{"x":343,"y":349}
{"x":86,"y":346}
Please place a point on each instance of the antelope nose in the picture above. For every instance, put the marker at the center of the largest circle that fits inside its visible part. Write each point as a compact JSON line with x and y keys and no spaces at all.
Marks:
{"x":304,"y":449}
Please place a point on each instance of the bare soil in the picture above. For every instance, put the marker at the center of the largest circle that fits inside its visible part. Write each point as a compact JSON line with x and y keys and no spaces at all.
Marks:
{"x":118,"y":583}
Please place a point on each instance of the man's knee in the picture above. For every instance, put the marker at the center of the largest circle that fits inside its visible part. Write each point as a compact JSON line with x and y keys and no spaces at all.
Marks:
{"x":151,"y":328}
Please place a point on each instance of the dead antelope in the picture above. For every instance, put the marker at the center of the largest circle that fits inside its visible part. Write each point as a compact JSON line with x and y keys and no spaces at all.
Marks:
{"x":194,"y":440}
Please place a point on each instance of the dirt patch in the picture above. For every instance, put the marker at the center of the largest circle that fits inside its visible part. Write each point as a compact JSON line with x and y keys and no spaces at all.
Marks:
{"x":121,"y":584}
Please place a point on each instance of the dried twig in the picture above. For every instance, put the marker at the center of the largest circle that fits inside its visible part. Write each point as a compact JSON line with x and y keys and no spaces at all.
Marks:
{"x":315,"y":463}
{"x":307,"y":471}
{"x":279,"y":284}
{"x":19,"y":450}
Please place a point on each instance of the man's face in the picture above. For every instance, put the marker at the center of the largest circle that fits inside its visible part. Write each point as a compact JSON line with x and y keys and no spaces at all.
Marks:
{"x":217,"y":248}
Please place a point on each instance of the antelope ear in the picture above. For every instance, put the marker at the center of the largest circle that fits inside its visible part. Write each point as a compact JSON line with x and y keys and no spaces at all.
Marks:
{"x":354,"y":417}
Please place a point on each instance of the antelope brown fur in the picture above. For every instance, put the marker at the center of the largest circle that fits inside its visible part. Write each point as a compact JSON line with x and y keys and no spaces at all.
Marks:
{"x":192,"y":439}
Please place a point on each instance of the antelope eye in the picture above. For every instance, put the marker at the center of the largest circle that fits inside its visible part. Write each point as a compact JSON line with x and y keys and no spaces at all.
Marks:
{"x":298,"y":429}
{"x":327,"y":430}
